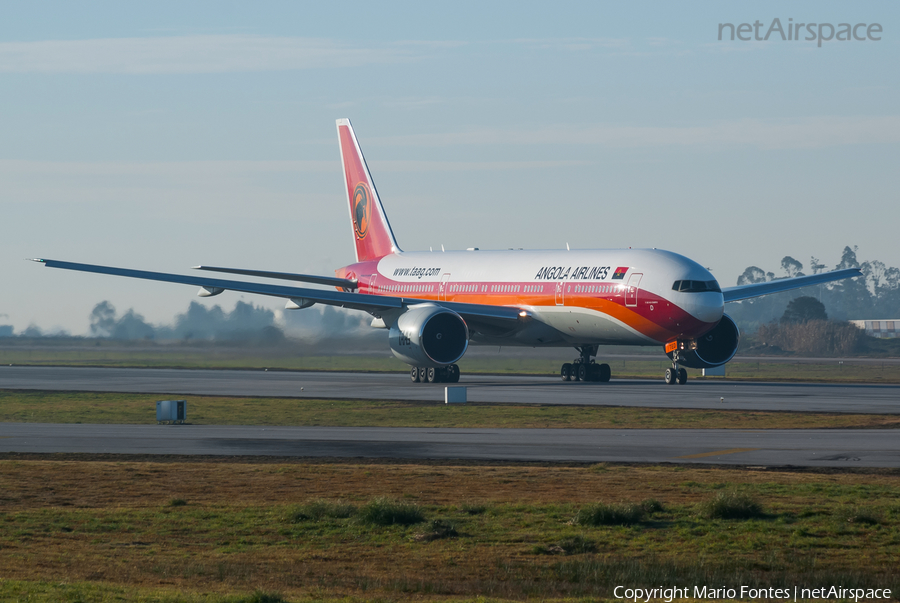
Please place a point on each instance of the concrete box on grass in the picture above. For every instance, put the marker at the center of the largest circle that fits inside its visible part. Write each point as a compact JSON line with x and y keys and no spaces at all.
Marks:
{"x":174,"y":411}
{"x":719,"y":371}
{"x":454,"y":395}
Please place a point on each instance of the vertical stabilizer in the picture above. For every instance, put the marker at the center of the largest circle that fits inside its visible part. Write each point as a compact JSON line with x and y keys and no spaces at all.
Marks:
{"x":371,"y":229}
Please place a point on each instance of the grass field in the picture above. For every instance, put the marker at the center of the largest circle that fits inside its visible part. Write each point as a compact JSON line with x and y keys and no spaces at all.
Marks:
{"x":478,"y":361}
{"x":87,"y":407}
{"x":184,"y":529}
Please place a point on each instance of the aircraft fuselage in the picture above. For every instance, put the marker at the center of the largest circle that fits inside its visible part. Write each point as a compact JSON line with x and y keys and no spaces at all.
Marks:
{"x":609,"y":296}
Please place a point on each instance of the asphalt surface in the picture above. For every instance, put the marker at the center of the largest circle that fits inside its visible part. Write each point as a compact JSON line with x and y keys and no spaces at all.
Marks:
{"x":869,"y":399}
{"x":812,"y":448}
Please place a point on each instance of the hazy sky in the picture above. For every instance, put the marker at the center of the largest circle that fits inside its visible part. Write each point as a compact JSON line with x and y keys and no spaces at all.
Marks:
{"x":167,"y":134}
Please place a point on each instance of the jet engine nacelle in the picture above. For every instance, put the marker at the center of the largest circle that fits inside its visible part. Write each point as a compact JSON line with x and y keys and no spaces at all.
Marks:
{"x":429,"y":335}
{"x":711,"y":349}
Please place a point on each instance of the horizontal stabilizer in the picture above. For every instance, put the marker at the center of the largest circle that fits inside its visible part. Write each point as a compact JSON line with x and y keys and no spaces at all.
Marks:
{"x":786,"y":284}
{"x":332,"y":281}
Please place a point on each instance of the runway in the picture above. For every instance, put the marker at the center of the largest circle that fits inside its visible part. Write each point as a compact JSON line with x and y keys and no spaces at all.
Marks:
{"x":871,"y":399}
{"x":811,"y":448}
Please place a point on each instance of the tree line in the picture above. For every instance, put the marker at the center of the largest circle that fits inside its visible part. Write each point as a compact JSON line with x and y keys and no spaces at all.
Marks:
{"x":246,"y":322}
{"x":873,"y":296}
{"x":813,"y":320}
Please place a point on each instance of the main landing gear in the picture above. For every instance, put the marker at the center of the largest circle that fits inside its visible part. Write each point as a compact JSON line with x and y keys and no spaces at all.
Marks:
{"x":585,"y":369}
{"x":676,"y":375}
{"x":424,"y":374}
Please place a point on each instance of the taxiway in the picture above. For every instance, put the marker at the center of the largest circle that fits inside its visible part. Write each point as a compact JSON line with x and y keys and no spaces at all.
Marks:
{"x":712,"y":394}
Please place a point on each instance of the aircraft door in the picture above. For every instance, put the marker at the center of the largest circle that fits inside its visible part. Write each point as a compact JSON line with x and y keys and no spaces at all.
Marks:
{"x":631,"y":289}
{"x":367,"y":283}
{"x":445,"y":283}
{"x":560,"y":293}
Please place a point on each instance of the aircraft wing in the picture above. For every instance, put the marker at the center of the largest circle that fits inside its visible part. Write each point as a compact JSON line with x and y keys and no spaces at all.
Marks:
{"x":355,"y":301}
{"x":786,"y":284}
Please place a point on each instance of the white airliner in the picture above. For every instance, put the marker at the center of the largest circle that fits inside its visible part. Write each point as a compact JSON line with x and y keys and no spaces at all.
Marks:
{"x":435,"y":304}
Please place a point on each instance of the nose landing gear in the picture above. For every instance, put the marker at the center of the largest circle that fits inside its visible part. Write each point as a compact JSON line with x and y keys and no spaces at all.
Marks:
{"x":585,"y":369}
{"x":676,"y":375}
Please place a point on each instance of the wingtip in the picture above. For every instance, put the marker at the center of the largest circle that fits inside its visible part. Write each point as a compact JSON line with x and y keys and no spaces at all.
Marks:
{"x":38,"y":260}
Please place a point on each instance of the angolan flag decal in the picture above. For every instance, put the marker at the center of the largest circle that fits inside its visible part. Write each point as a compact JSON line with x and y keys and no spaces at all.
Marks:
{"x":619,"y":274}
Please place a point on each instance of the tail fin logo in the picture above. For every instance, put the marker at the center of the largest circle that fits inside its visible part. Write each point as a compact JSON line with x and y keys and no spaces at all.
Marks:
{"x":361,"y":210}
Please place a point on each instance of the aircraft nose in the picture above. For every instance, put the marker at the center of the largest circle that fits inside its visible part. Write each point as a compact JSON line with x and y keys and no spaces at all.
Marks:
{"x":708,"y":307}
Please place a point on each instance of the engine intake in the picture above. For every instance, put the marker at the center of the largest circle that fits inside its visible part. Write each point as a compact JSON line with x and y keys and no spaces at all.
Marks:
{"x":712,"y":349}
{"x":429,"y":335}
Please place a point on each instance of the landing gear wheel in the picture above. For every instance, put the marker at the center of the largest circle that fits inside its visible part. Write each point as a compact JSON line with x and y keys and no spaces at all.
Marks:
{"x":414,"y":374}
{"x":431,"y":375}
{"x":671,"y":376}
{"x":582,"y":373}
{"x":566,"y":372}
{"x":594,"y":373}
{"x":453,"y":374}
{"x":604,"y":373}
{"x":682,"y":376}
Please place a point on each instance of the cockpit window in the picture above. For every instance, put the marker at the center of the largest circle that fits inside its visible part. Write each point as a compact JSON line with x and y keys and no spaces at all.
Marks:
{"x":696,"y":286}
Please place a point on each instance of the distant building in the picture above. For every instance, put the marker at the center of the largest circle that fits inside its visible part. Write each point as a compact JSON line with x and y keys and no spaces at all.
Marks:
{"x":882,"y":329}
{"x":6,"y":331}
